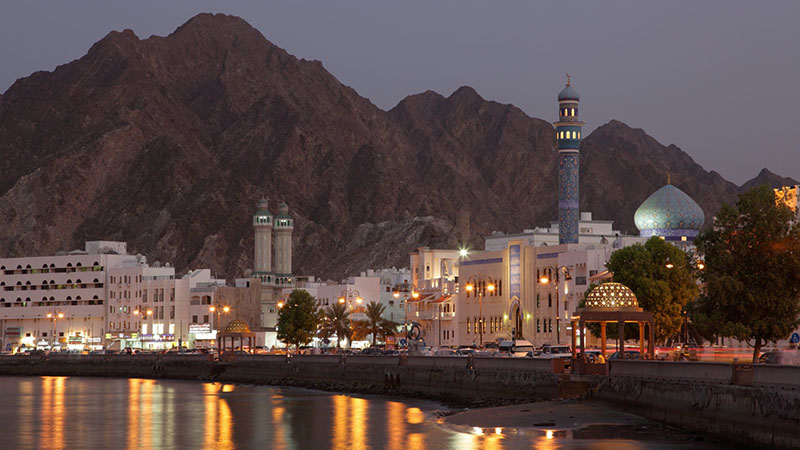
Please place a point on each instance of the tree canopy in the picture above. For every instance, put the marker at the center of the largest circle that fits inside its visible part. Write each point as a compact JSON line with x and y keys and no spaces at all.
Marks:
{"x":752,"y":271}
{"x":336,"y":320}
{"x":298,"y":319}
{"x":375,"y":324}
{"x":660,"y":275}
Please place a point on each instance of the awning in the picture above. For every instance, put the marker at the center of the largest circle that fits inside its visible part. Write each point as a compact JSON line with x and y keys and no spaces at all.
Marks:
{"x":421,"y":298}
{"x":441,"y":299}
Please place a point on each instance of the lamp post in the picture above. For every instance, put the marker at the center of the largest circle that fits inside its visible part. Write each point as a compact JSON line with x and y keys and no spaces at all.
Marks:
{"x":406,"y":289}
{"x":349,"y":296}
{"x":478,"y":283}
{"x":544,"y":279}
{"x":55,"y":316}
{"x":219,"y":309}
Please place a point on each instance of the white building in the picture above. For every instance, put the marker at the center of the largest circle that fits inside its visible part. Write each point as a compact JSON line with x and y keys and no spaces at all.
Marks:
{"x":590,"y":232}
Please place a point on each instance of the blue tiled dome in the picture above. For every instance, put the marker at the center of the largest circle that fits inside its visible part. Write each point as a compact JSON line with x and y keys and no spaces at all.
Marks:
{"x":671,"y":213}
{"x":568,"y":93}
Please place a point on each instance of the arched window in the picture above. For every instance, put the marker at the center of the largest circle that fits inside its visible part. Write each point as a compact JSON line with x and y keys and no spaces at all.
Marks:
{"x":69,"y":281}
{"x":19,"y":299}
{"x":28,"y":266}
{"x":19,"y":283}
{"x":44,"y":299}
{"x":19,"y":267}
{"x":77,"y":297}
{"x":579,"y":134}
{"x":96,"y":280}
{"x":69,"y":297}
{"x":52,"y":299}
{"x":95,"y":298}
{"x":78,"y":265}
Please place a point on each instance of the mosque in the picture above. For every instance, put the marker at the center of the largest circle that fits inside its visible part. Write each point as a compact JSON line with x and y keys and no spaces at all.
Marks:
{"x":528,"y":285}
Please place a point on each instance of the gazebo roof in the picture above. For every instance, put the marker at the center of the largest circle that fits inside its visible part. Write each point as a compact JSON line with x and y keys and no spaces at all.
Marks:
{"x":612,"y":296}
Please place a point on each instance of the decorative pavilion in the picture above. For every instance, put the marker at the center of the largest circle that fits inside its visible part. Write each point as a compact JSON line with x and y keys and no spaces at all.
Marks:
{"x":235,"y":330}
{"x":612,"y":302}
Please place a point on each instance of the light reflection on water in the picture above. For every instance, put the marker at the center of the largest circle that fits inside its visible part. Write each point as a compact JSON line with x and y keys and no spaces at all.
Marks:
{"x":65,"y":413}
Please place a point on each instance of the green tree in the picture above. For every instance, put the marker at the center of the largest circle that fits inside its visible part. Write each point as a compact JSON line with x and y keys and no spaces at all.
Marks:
{"x":661,"y":276}
{"x":375,"y":324}
{"x":752,"y":271}
{"x":336,"y":320}
{"x":298,"y":319}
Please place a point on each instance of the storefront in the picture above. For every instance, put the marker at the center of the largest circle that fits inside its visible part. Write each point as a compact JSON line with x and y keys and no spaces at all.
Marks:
{"x":121,"y":341}
{"x":202,"y":336}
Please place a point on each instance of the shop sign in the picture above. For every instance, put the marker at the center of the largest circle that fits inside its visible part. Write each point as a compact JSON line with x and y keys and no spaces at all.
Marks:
{"x":12,"y":332}
{"x":93,"y":339}
{"x":108,"y":335}
{"x":75,"y":339}
{"x":206,"y":336}
{"x":200,"y":328}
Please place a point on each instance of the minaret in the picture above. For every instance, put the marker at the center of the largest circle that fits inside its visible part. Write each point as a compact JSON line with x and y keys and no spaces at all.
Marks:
{"x":262,"y":223}
{"x":568,"y":133}
{"x":284,"y":224}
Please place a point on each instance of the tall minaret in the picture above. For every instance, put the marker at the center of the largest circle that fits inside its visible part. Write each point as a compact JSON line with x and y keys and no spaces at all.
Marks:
{"x":284,"y":224}
{"x":568,"y":133}
{"x":262,"y":223}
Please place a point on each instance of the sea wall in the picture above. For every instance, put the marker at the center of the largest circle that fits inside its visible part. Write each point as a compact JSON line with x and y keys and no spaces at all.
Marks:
{"x":457,"y":380}
{"x":755,"y":404}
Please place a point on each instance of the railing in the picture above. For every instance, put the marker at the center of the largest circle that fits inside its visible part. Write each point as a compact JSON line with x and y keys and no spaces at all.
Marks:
{"x":709,"y":372}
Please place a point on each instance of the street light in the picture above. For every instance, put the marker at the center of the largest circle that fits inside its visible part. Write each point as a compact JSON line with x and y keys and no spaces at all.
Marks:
{"x":55,"y":316}
{"x":477,"y":283}
{"x":349,"y":296}
{"x":218,"y":309}
{"x":544,"y":279}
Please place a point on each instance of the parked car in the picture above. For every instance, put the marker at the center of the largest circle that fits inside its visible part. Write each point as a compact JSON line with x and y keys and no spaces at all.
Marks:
{"x":371,"y":351}
{"x":518,"y":348}
{"x":555,"y":351}
{"x":785,"y":357}
{"x":446,"y":352}
{"x":629,"y":354}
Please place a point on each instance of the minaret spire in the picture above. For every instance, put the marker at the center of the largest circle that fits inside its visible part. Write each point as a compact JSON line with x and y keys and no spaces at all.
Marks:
{"x":568,"y":134}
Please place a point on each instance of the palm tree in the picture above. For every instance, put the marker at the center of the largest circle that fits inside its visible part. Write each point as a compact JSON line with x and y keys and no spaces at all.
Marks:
{"x":375,"y":324}
{"x":336,"y":320}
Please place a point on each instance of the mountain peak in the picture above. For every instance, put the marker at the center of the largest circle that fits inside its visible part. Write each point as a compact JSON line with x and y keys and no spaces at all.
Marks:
{"x":766,"y":176}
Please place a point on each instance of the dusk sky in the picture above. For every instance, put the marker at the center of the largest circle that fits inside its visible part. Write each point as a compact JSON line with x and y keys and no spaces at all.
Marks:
{"x":717,"y":78}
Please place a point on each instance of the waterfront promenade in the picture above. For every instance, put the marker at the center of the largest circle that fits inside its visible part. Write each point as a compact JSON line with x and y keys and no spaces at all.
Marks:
{"x":714,"y":398}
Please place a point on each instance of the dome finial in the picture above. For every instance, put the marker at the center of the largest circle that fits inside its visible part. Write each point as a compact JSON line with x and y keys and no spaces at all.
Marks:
{"x":668,"y":180}
{"x":568,"y":77}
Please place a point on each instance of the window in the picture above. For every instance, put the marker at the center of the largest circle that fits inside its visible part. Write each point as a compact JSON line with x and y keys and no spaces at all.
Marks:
{"x":537,"y":301}
{"x":579,"y":134}
{"x":549,"y":300}
{"x":205,"y":318}
{"x":468,"y":327}
{"x":538,"y":326}
{"x":550,"y":325}
{"x":172,"y":312}
{"x":194,"y":319}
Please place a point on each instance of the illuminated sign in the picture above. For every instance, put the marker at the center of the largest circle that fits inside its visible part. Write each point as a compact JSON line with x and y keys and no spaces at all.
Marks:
{"x":200,"y":328}
{"x":12,"y":332}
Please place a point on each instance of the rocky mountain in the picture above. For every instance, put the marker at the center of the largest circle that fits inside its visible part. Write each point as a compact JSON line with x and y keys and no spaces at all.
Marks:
{"x":768,"y":178}
{"x":168,"y":143}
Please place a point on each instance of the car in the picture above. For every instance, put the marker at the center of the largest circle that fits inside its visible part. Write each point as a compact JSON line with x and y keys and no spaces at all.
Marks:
{"x":784,"y":357}
{"x":629,"y":354}
{"x":465,"y":351}
{"x":371,"y":351}
{"x":517,"y":348}
{"x":446,"y":352}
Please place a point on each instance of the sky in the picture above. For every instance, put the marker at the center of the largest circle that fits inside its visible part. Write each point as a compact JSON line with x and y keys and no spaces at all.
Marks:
{"x":717,"y":78}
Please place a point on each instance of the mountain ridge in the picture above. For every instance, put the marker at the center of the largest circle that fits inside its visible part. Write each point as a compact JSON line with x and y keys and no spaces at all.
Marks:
{"x":168,"y":143}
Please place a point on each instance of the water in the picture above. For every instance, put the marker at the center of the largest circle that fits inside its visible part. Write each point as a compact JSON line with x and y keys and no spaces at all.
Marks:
{"x":110,"y":413}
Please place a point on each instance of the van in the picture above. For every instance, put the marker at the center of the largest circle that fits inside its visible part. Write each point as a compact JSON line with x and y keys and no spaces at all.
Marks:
{"x":518,"y":348}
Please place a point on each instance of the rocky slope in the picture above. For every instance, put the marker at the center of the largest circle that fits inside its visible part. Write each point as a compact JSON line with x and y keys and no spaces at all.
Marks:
{"x":168,"y":143}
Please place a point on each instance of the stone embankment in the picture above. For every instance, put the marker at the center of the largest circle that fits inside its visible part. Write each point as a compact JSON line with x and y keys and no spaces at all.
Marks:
{"x":756,"y":404}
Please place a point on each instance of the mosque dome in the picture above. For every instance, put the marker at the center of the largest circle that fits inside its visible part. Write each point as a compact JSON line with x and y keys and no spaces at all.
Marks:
{"x":671,"y":213}
{"x":568,"y":93}
{"x":611,"y":295}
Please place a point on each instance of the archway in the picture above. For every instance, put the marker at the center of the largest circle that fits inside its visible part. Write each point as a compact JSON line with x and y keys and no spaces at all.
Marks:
{"x":516,"y":317}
